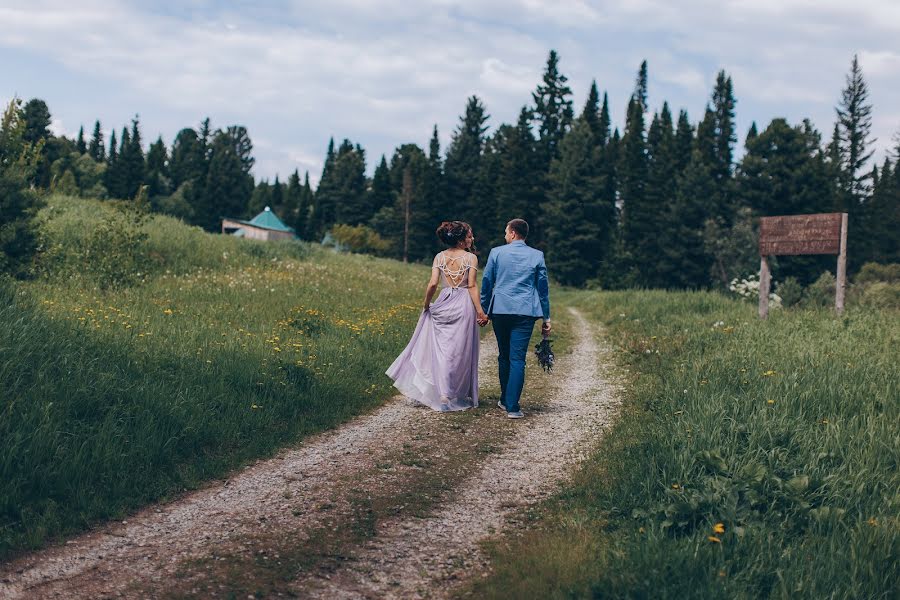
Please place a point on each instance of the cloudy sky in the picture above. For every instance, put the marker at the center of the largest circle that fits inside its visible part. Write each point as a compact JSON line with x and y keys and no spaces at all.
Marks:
{"x":382,"y":73}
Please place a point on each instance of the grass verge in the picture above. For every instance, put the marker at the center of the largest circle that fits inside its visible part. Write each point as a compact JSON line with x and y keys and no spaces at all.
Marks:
{"x":751,"y":459}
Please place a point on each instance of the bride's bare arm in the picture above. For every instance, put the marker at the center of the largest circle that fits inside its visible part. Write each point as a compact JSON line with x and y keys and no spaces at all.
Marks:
{"x":432,"y":285}
{"x":473,"y":289}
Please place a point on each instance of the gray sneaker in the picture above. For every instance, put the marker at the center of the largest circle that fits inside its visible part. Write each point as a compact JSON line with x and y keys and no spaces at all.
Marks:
{"x":500,"y":404}
{"x":516,"y":415}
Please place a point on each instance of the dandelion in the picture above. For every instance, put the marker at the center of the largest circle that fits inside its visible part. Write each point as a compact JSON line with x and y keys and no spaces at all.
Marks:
{"x":719,"y":528}
{"x":770,"y":402}
{"x":769,"y":373}
{"x":675,"y":486}
{"x":873,"y":522}
{"x":714,"y":539}
{"x":255,"y":406}
{"x":168,"y":311}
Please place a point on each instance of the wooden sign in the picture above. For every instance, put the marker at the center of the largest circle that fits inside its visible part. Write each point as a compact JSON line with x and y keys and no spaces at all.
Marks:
{"x":824,"y":233}
{"x":800,"y":234}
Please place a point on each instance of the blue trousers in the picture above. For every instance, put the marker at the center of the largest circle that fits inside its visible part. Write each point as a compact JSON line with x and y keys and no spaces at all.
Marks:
{"x":513,"y":337}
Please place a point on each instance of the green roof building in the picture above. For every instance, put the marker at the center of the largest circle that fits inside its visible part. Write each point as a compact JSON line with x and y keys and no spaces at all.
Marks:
{"x":264,"y":226}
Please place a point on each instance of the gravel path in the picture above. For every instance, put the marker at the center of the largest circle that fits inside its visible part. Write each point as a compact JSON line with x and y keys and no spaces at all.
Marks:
{"x":423,"y":558}
{"x":306,"y":488}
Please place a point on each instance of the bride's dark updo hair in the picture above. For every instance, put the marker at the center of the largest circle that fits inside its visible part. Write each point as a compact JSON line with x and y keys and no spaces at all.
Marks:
{"x":452,"y":233}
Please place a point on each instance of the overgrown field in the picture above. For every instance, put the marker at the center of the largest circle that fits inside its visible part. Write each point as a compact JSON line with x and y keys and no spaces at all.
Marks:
{"x":138,"y":365}
{"x":752,"y":459}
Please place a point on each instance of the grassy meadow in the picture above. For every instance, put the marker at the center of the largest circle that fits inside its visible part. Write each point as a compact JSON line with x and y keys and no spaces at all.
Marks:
{"x":751,"y":460}
{"x":149,"y":357}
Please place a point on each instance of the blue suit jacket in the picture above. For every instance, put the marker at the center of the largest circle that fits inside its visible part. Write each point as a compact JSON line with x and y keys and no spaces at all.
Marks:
{"x":515,"y":282}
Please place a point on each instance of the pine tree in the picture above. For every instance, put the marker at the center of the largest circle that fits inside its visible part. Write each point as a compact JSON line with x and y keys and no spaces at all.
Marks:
{"x":260,"y":198}
{"x":96,"y":149}
{"x":351,"y":200}
{"x":381,"y":194}
{"x":519,"y":182}
{"x":751,"y":134}
{"x":684,"y":259}
{"x":725,"y":138}
{"x":684,"y":142}
{"x":18,"y":203}
{"x":638,"y":218}
{"x":660,"y":190}
{"x":410,"y":227}
{"x":590,"y":114}
{"x":293,"y":196}
{"x":277,"y":201}
{"x":323,"y":212}
{"x":131,"y":159}
{"x":36,"y":118}
{"x":304,"y":209}
{"x":157,"y":175}
{"x":573,"y":211}
{"x":228,"y":182}
{"x":784,"y":172}
{"x":80,"y":145}
{"x":877,"y":233}
{"x":855,"y":127}
{"x":552,"y":109}
{"x":463,"y":162}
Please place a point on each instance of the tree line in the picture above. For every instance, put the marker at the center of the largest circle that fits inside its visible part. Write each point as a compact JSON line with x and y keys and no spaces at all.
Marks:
{"x":660,"y":203}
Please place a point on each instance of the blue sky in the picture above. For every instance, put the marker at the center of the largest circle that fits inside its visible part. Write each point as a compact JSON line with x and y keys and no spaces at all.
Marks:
{"x":382,"y":73}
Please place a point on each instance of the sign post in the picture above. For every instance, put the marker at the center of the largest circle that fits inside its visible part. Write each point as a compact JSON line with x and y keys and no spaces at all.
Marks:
{"x":824,"y":233}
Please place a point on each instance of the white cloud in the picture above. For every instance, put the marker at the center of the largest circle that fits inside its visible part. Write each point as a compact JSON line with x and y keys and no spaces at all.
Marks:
{"x":383,"y":72}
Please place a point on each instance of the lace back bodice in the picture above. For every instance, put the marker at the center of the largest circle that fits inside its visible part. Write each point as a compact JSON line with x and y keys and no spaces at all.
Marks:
{"x":455,"y":270}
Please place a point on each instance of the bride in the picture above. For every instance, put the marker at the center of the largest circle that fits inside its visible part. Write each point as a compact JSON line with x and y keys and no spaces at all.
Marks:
{"x":439,"y":366}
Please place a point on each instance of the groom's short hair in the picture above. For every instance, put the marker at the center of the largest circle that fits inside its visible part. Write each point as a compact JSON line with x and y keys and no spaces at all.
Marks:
{"x":519,"y":227}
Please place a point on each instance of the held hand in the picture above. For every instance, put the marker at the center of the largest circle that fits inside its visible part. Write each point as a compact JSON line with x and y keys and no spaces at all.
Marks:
{"x":482,"y":319}
{"x":545,"y":328}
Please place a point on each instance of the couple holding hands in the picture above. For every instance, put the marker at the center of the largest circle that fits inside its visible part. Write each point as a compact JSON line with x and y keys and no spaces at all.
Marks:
{"x":439,"y":366}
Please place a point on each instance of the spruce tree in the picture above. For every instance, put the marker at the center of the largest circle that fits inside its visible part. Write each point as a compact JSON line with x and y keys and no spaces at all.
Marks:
{"x":36,"y":118}
{"x":434,"y":190}
{"x":80,"y":145}
{"x":351,"y":200}
{"x":131,"y":159}
{"x":573,"y":211}
{"x":684,"y":141}
{"x":590,"y":114}
{"x":684,"y":259}
{"x":323,"y":211}
{"x":463,"y":162}
{"x":96,"y":149}
{"x":725,"y":138}
{"x":519,"y":182}
{"x":855,"y":126}
{"x":638,"y":218}
{"x":157,"y":175}
{"x":228,"y":183}
{"x":381,"y":194}
{"x":278,"y":197}
{"x":660,"y":191}
{"x":552,"y":109}
{"x":260,"y":198}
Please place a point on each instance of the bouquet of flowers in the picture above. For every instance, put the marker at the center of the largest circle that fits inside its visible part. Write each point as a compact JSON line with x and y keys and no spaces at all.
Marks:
{"x":544,"y":353}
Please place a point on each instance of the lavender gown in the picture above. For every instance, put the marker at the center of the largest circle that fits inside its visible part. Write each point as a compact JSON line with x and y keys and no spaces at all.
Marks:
{"x":439,"y":366}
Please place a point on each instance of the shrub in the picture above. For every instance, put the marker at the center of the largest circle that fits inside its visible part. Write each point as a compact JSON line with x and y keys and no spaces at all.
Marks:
{"x":748,"y":288}
{"x":872,"y":272}
{"x":359,"y":239}
{"x":821,"y":292}
{"x":790,"y":291}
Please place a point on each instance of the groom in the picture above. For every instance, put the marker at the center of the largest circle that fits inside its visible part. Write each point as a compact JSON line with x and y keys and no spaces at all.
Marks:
{"x":515,"y":293}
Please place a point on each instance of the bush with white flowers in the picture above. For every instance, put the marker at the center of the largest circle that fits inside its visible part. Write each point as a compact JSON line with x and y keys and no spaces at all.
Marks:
{"x":748,"y":288}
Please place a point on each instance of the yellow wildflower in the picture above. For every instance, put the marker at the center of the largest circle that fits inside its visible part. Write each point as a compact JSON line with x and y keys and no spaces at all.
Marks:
{"x":168,"y":311}
{"x":719,"y":528}
{"x":770,"y":402}
{"x":769,"y":373}
{"x":714,"y":539}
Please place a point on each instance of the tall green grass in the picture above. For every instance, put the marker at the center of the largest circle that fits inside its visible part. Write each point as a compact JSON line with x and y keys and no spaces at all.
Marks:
{"x":751,"y":459}
{"x":217,"y":351}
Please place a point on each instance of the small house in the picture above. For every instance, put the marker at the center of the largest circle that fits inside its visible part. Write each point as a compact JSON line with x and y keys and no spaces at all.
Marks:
{"x":264,"y":226}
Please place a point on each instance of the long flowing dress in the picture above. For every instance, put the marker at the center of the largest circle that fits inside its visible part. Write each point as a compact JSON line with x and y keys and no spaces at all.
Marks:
{"x":439,"y":366}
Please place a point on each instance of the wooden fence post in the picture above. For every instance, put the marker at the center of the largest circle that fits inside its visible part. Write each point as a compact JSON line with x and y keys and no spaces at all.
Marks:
{"x":841,"y":283}
{"x":765,"y":280}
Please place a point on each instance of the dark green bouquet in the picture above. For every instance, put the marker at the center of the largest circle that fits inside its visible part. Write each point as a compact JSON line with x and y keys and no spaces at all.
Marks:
{"x":544,"y":353}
